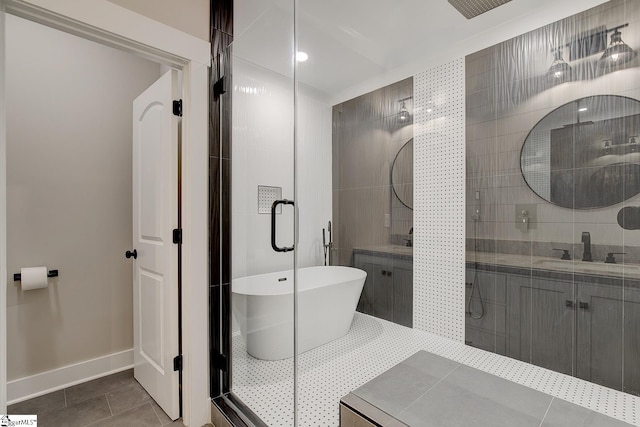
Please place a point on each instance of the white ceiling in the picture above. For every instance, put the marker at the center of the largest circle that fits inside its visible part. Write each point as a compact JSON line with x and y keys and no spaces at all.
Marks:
{"x":357,"y":45}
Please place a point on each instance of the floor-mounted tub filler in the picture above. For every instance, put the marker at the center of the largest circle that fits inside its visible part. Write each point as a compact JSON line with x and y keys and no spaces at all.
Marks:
{"x":263,"y":307}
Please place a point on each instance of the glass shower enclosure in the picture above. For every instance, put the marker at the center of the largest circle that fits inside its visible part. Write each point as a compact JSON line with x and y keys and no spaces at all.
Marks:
{"x":263,"y":207}
{"x":276,"y":153}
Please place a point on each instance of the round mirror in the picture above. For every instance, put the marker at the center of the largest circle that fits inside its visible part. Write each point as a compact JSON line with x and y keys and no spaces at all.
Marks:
{"x":585,"y":154}
{"x":402,"y":174}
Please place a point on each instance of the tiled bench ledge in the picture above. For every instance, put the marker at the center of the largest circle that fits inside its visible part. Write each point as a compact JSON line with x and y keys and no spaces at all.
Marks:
{"x":429,"y":390}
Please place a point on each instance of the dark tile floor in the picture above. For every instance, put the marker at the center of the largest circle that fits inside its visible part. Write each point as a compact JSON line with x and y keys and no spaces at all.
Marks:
{"x":115,"y":400}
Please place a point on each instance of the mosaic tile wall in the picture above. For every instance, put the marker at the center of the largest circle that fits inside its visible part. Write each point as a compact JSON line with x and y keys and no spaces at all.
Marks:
{"x":439,"y":170}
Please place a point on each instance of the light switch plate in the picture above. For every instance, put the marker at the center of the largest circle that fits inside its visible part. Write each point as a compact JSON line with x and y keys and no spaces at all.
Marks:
{"x":531,"y":216}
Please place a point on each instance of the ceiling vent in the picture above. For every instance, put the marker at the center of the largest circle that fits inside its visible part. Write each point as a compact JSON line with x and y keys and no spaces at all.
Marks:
{"x":472,"y":8}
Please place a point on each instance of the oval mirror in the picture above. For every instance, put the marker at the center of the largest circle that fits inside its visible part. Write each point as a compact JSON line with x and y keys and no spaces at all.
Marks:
{"x":585,"y":154}
{"x":402,"y":174}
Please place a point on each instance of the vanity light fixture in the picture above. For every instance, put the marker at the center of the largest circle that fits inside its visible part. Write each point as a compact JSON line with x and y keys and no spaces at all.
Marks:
{"x":559,"y":71}
{"x":618,"y":51}
{"x":403,"y":114}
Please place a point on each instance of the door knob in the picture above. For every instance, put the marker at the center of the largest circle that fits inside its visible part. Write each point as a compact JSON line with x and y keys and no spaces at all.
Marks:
{"x":130,"y":254}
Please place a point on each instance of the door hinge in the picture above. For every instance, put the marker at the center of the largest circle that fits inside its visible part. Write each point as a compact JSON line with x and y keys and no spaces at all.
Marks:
{"x":177,"y":236}
{"x":177,"y":108}
{"x":218,"y":88}
{"x":177,"y":363}
{"x":220,"y":362}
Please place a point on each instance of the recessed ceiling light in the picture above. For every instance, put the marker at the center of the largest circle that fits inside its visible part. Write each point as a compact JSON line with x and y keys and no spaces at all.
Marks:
{"x":301,"y":56}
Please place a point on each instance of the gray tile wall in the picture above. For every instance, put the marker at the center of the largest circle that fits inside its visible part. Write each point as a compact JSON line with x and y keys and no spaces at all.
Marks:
{"x":507,"y":94}
{"x":367,"y":135}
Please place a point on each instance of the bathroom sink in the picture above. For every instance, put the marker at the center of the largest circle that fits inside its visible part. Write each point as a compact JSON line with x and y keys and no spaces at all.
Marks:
{"x":578,"y":267}
{"x":403,"y":250}
{"x":390,"y":249}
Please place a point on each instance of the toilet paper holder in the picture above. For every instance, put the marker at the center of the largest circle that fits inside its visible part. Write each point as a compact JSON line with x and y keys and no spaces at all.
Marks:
{"x":50,"y":273}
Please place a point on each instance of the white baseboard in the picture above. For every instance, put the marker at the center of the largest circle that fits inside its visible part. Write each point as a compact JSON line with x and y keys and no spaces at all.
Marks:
{"x":57,"y":379}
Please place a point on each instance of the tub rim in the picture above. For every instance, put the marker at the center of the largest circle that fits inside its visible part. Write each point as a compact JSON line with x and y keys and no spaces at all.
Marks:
{"x":356,"y":274}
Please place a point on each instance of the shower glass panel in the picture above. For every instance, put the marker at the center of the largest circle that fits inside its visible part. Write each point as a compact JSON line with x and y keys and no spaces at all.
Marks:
{"x":262,"y":208}
{"x":552,"y":174}
{"x":323,"y":139}
{"x":355,"y":218}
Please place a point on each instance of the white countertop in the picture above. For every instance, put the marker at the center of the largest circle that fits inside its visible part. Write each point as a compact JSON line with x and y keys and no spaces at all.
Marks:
{"x":390,"y":249}
{"x":595,"y":268}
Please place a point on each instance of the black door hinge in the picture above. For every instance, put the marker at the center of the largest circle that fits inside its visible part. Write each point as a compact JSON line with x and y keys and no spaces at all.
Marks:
{"x":177,"y":108}
{"x":220,"y":362}
{"x":218,"y":87}
{"x":177,"y":236}
{"x":177,"y":363}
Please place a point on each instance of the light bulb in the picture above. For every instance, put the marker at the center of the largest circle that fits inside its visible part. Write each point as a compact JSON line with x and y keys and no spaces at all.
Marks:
{"x":404,"y":113}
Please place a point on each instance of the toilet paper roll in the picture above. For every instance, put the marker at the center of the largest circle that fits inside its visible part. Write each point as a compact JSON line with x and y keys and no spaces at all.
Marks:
{"x":33,"y":278}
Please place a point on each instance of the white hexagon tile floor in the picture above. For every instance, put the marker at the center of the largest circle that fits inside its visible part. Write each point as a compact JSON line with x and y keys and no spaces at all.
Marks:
{"x":372,"y":346}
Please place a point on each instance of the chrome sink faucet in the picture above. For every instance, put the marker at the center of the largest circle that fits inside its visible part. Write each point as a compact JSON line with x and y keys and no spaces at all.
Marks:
{"x":586,"y":253}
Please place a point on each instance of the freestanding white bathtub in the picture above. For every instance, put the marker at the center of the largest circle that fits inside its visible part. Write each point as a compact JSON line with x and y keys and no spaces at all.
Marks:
{"x":263,"y":306}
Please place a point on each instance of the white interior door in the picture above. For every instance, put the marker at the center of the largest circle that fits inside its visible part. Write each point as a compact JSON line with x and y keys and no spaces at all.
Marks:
{"x":155,"y":215}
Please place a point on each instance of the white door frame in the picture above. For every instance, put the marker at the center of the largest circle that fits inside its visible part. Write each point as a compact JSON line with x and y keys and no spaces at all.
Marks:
{"x":110,"y":24}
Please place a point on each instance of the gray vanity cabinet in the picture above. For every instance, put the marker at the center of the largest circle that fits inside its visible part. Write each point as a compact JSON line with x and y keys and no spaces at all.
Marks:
{"x":608,"y":344}
{"x":388,"y":289}
{"x":541,"y":322}
{"x":585,"y":327}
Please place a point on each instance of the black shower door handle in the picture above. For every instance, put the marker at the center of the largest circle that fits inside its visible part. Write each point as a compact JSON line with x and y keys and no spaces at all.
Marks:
{"x":273,"y":225}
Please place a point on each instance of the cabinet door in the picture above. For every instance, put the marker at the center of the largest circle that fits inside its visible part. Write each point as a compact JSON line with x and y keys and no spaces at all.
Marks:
{"x":365,"y":304}
{"x":485,"y":331}
{"x":607,"y":337}
{"x":541,"y":322}
{"x":403,"y":296}
{"x":376,"y":298}
{"x":383,"y":292}
{"x":631,"y":343}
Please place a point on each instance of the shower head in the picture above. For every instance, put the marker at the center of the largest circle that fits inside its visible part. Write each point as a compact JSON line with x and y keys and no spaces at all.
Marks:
{"x":329,"y":227}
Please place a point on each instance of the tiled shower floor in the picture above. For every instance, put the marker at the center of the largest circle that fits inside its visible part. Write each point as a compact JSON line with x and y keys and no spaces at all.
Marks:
{"x":371,"y":347}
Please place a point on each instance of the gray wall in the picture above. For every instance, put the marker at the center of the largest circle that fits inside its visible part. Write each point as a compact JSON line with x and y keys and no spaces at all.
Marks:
{"x":190,"y":16}
{"x":366,"y":138}
{"x":506,"y":95}
{"x":69,"y":136}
